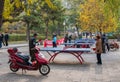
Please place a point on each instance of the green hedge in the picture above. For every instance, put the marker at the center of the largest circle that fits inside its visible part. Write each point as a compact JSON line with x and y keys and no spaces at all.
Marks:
{"x":22,"y":37}
{"x":17,"y":37}
{"x":111,"y":37}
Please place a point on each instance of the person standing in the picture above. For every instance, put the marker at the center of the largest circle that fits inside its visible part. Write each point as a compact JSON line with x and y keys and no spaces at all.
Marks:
{"x":103,"y":43}
{"x":2,"y":38}
{"x":70,"y":38}
{"x":107,"y":43}
{"x":6,"y":37}
{"x":66,"y":39}
{"x":32,"y":44}
{"x":54,"y":40}
{"x":98,"y":50}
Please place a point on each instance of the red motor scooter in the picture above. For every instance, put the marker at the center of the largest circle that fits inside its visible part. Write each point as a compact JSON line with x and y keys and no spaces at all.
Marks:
{"x":19,"y":61}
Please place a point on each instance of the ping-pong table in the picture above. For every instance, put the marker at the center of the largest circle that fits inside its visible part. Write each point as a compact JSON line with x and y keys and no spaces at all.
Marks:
{"x":77,"y":45}
{"x":77,"y":52}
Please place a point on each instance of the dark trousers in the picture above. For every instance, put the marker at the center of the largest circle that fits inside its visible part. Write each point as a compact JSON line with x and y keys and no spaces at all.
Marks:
{"x":3,"y":42}
{"x":69,"y":41}
{"x":108,"y":47}
{"x":65,"y":42}
{"x":54,"y":44}
{"x":6,"y":42}
{"x":99,"y":58}
{"x":32,"y":55}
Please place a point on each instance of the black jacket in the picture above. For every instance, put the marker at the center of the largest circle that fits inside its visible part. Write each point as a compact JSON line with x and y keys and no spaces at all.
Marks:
{"x":32,"y":42}
{"x":6,"y":36}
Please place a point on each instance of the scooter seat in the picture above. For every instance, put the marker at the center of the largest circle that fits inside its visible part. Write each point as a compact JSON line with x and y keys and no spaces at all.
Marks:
{"x":23,"y":56}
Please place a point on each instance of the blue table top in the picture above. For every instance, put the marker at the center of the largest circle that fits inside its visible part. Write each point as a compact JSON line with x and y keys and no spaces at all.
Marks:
{"x":66,"y":50}
{"x":76,"y":43}
{"x":85,"y":40}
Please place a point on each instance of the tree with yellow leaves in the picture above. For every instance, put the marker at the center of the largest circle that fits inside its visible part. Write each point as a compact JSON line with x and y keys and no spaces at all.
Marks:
{"x":9,"y":9}
{"x":30,"y":11}
{"x":92,"y":18}
{"x":113,"y":7}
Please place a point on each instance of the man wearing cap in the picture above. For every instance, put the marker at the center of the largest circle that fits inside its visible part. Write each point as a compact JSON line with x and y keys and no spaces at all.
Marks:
{"x":32,"y":44}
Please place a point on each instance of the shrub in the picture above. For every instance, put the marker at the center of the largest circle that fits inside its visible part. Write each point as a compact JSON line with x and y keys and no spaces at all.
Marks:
{"x":17,"y":37}
{"x":22,"y":37}
{"x":111,"y":37}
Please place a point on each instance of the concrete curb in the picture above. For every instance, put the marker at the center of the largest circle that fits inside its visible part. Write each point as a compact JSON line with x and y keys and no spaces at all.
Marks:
{"x":14,"y":45}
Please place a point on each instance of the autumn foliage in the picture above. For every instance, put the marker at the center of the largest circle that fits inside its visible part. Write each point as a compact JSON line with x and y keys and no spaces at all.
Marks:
{"x":93,"y":19}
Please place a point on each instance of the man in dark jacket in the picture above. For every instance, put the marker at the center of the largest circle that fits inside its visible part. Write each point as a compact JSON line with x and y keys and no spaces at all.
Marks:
{"x":70,"y":38}
{"x":103,"y":43}
{"x":66,"y":38}
{"x":6,"y":39}
{"x":32,"y":44}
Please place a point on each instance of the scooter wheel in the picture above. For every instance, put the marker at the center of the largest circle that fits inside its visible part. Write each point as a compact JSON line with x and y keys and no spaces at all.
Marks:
{"x":44,"y":69}
{"x":12,"y":67}
{"x":111,"y":47}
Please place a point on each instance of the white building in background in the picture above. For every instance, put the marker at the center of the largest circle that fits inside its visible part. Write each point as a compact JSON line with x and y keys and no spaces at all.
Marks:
{"x":72,"y":31}
{"x":88,"y":35}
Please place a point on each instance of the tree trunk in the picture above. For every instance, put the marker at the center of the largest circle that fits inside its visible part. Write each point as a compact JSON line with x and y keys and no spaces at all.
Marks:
{"x":46,"y":30}
{"x":1,"y":11}
{"x":28,"y":32}
{"x":77,"y":31}
{"x":58,"y":28}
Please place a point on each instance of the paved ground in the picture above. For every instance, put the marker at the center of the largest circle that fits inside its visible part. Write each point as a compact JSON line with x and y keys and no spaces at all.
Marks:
{"x":66,"y":69}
